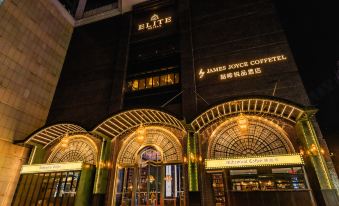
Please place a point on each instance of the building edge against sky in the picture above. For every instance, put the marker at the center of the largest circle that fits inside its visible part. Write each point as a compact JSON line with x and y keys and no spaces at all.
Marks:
{"x":27,"y":110}
{"x":34,"y":38}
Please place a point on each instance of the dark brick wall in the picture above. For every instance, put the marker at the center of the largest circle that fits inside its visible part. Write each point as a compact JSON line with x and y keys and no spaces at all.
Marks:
{"x":85,"y":86}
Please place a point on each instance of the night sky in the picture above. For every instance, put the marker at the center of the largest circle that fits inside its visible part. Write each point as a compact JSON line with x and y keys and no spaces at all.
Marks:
{"x":312,"y":29}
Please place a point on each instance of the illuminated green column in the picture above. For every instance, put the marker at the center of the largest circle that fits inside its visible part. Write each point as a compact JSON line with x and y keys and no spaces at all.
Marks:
{"x":192,"y":156}
{"x":37,"y":155}
{"x":308,"y":137}
{"x":84,"y":191}
{"x":101,"y":177}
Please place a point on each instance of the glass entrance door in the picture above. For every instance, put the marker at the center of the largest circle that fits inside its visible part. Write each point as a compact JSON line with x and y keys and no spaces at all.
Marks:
{"x":150,"y":182}
{"x":149,"y":185}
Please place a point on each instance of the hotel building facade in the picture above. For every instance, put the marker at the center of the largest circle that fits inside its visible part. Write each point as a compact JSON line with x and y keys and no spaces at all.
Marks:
{"x":179,"y":103}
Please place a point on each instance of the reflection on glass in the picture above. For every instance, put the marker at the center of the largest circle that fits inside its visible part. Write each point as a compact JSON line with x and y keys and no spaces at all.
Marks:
{"x":152,"y":82}
{"x":177,"y":78}
{"x":149,"y":82}
{"x":142,"y":84}
{"x":218,"y":189}
{"x":135,"y":85}
{"x":170,"y":79}
{"x":129,"y":86}
{"x":163,"y":80}
{"x":47,"y":189}
{"x":290,"y":178}
{"x":156,"y":82}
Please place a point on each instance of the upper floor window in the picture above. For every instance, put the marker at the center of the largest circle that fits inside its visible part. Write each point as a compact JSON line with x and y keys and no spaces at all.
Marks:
{"x":153,"y":82}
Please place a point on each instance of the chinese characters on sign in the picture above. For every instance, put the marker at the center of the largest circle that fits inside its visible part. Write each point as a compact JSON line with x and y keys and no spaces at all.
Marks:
{"x":294,"y":159}
{"x":242,"y":69}
{"x":154,"y":23}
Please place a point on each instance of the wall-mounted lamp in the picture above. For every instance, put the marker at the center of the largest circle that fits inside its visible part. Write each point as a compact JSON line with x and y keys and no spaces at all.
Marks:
{"x":312,"y":151}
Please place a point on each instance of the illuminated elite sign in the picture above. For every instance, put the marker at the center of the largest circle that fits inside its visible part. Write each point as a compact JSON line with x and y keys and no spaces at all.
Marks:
{"x":255,"y":161}
{"x":154,"y":23}
{"x":241,"y":69}
{"x":53,"y":167}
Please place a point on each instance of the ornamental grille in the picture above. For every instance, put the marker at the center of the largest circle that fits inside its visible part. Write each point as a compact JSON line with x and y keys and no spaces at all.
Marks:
{"x":260,"y":138}
{"x":77,"y":150}
{"x":164,"y":140}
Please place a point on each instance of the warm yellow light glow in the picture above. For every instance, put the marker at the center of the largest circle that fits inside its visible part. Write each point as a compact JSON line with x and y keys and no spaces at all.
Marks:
{"x":64,"y":166}
{"x":141,"y":133}
{"x":151,"y":178}
{"x":64,"y":141}
{"x":242,"y":122}
{"x":168,"y":178}
{"x":255,"y":161}
{"x":185,"y":159}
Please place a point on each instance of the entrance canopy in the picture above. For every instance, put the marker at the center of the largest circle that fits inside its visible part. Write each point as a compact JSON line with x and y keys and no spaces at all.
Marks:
{"x":46,"y":136}
{"x":123,"y":122}
{"x":257,"y":106}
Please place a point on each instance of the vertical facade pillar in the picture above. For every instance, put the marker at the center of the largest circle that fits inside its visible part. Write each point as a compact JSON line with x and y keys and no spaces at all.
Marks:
{"x":308,"y":137}
{"x":194,"y":196}
{"x":101,"y":176}
{"x":84,"y":192}
{"x":37,"y":155}
{"x":192,"y":162}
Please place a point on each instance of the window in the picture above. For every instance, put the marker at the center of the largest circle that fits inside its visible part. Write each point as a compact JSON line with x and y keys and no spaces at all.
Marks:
{"x":156,"y":81}
{"x":163,"y":80}
{"x":170,"y":79}
{"x":177,"y":78}
{"x":135,"y":85}
{"x":142,"y":84}
{"x":153,"y":82}
{"x":149,"y":82}
{"x":289,"y":178}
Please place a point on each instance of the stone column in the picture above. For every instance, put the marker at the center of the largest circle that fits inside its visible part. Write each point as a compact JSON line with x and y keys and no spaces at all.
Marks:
{"x":308,"y":137}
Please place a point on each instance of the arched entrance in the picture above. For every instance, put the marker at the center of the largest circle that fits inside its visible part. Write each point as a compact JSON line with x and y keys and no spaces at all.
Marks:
{"x":260,"y":137}
{"x":149,"y":171}
{"x":249,"y":146}
{"x":74,"y":148}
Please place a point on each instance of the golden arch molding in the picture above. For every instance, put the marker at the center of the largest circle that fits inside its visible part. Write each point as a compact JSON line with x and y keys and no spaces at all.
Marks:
{"x":262,"y":137}
{"x":79,"y":148}
{"x":162,"y":139}
{"x":255,"y":106}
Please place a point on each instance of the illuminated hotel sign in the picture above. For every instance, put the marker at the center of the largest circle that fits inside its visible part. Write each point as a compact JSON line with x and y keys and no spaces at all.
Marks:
{"x":154,"y":23}
{"x":256,"y":161}
{"x":241,"y":69}
{"x":53,"y":167}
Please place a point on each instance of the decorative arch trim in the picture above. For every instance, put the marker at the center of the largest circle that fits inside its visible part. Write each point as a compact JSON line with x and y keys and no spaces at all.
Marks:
{"x":123,"y":122}
{"x":262,"y":137}
{"x":163,"y":140}
{"x":49,"y":134}
{"x":255,"y":106}
{"x":79,"y":148}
